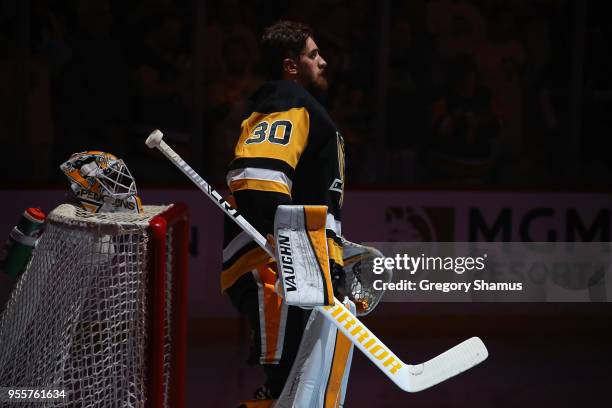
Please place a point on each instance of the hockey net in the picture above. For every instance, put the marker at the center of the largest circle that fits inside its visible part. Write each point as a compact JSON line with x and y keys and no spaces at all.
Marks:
{"x":100,"y":311}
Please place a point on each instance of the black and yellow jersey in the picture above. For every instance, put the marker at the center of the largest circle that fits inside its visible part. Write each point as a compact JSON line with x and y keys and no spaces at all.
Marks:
{"x":289,"y":152}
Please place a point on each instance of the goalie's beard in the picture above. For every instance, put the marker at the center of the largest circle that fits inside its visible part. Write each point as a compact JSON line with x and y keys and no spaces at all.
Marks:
{"x":317,"y":87}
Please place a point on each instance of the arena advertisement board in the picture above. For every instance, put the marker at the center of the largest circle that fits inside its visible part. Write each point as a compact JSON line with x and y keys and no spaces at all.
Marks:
{"x":376,"y":216}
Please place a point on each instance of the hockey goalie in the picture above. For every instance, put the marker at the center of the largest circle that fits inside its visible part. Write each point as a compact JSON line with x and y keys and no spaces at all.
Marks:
{"x":287,"y":178}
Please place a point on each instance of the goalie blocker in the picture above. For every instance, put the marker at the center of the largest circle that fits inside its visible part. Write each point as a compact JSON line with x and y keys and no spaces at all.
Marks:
{"x":302,"y":255}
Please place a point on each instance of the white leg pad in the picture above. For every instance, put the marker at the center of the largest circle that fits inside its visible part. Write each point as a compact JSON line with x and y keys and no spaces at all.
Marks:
{"x":307,"y":383}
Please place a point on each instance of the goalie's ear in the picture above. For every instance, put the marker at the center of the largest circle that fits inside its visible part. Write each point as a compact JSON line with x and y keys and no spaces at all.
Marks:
{"x":289,"y":67}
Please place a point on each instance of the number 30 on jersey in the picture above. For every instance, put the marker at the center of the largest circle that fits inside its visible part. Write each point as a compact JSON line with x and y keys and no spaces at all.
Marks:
{"x":279,"y":132}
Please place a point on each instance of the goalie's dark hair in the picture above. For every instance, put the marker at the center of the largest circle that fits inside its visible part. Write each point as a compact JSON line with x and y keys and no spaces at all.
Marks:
{"x":283,"y":39}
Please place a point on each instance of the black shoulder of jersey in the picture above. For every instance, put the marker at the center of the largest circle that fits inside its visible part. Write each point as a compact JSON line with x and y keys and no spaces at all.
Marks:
{"x":282,"y":95}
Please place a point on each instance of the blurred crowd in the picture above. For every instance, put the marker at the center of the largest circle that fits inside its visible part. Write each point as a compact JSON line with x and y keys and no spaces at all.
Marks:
{"x":425,"y":92}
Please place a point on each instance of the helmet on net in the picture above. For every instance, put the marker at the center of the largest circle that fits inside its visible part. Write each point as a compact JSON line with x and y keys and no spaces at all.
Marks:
{"x":102,"y":182}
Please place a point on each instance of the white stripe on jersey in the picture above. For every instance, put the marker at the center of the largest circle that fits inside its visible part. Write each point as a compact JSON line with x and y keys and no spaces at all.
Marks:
{"x":258,"y":174}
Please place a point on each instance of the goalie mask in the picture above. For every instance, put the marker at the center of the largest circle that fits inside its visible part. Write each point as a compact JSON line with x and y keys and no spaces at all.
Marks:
{"x":101,"y":182}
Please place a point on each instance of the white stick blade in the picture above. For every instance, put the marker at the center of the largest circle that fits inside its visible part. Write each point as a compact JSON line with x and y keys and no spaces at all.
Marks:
{"x":154,"y":138}
{"x":448,"y":364}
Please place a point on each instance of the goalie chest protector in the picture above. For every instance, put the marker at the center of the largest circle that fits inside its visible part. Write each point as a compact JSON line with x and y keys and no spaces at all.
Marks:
{"x":288,"y":132}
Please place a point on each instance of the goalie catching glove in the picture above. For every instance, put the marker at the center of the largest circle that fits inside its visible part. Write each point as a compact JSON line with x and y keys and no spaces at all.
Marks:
{"x":360,"y":276}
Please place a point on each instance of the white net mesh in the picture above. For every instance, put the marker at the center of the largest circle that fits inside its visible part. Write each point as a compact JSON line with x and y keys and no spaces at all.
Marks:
{"x":77,"y":317}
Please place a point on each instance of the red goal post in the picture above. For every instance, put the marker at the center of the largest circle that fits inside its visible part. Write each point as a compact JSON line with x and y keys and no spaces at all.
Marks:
{"x":170,"y":233}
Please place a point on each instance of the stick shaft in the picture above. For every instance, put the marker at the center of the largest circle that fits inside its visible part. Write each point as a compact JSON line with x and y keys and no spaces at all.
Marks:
{"x":215,"y":196}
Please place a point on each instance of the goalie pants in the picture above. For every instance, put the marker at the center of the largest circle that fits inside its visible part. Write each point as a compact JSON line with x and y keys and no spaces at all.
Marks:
{"x":276,"y":333}
{"x":276,"y":328}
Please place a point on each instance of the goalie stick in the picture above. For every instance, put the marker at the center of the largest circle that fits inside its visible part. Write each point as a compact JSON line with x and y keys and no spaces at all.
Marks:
{"x":409,"y":377}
